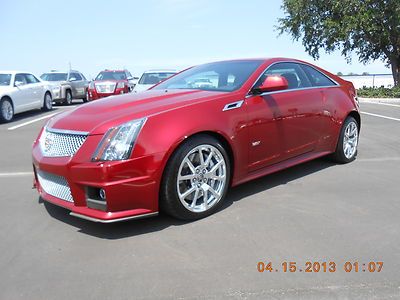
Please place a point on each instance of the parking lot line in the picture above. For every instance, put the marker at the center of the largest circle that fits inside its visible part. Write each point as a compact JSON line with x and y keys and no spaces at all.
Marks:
{"x":380,"y":103}
{"x":380,"y":116}
{"x":15,"y":174}
{"x":31,"y":121}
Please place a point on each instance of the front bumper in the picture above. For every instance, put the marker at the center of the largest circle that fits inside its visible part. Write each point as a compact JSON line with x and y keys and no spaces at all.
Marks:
{"x":131,"y":186}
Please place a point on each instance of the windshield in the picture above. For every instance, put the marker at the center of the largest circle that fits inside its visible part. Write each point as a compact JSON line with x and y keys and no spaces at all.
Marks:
{"x":54,"y":76}
{"x":221,"y":76}
{"x":154,"y":78}
{"x":5,"y":79}
{"x":111,"y":75}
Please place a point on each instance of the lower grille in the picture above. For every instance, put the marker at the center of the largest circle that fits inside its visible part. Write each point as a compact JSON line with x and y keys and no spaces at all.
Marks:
{"x":55,"y":185}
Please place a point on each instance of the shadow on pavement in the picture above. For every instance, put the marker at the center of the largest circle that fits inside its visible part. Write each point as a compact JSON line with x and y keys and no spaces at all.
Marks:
{"x":142,"y":226}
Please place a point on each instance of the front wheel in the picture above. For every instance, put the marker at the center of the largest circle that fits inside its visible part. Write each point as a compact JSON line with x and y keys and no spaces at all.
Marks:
{"x":346,"y":149}
{"x":47,"y":102}
{"x":196,"y":179}
{"x":6,"y":110}
{"x":86,"y":99}
{"x":68,"y":97}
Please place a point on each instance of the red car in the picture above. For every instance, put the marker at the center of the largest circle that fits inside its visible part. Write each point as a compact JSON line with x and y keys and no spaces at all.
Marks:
{"x":180,"y":145}
{"x":108,"y":83}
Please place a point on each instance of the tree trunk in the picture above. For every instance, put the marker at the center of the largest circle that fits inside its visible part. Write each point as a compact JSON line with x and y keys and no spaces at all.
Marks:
{"x":395,"y":63}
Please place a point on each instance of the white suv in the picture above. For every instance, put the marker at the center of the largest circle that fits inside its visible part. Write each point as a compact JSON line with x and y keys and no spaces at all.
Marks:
{"x":22,"y":91}
{"x":150,"y":78}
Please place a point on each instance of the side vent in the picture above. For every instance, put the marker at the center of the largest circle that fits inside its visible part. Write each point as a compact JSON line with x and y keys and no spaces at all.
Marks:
{"x":233,"y":105}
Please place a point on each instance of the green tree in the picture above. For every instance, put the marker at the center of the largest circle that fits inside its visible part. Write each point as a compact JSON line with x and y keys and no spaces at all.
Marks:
{"x":370,"y":28}
{"x":339,"y":74}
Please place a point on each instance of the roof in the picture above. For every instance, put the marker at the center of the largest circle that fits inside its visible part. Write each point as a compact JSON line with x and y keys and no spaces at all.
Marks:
{"x":61,"y":72}
{"x":108,"y":70}
{"x":13,"y":72}
{"x":161,"y":71}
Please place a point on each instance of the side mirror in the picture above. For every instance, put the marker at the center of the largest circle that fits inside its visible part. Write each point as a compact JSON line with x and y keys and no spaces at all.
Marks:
{"x":136,"y":78}
{"x":273,"y":83}
{"x":19,"y":83}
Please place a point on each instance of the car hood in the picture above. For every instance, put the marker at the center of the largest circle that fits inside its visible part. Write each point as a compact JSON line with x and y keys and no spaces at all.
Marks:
{"x":5,"y":89}
{"x":98,"y":116}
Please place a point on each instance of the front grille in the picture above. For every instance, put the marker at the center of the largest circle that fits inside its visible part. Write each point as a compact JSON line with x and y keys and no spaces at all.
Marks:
{"x":55,"y":185}
{"x":61,"y":143}
{"x":105,"y":87}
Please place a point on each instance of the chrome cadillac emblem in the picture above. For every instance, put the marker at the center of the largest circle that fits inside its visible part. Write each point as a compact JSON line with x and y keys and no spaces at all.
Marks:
{"x":48,"y":142}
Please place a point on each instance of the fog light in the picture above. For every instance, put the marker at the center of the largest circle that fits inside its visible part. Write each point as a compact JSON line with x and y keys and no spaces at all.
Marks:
{"x":102,"y":194}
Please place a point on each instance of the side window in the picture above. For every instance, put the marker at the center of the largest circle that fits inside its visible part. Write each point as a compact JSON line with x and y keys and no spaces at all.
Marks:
{"x":76,"y":76}
{"x":293,"y":73}
{"x":31,"y":79}
{"x":20,"y":78}
{"x":316,"y":77}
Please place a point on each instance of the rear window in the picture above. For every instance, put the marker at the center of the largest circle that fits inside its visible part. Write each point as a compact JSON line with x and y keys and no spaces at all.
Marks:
{"x":5,"y":79}
{"x":316,"y":77}
{"x":54,"y":76}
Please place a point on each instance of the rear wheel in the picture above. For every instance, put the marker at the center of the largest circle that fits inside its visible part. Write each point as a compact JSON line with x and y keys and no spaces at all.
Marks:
{"x":6,"y":110}
{"x":68,"y":97}
{"x":346,"y":149}
{"x":86,"y":99}
{"x":47,"y":102}
{"x":196,"y":179}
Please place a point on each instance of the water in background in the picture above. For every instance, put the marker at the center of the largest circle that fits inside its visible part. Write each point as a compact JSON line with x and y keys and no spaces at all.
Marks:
{"x":371,"y":80}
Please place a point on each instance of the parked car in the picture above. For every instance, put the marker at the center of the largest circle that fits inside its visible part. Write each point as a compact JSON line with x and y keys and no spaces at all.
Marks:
{"x":150,"y":78}
{"x":20,"y":92}
{"x":179,"y":148}
{"x":110,"y":82}
{"x":67,"y":85}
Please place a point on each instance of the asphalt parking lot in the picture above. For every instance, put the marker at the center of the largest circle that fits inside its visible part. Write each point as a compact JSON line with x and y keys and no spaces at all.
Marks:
{"x":314,"y":212}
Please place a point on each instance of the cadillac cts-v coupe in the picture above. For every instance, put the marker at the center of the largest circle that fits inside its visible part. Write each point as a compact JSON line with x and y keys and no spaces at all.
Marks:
{"x":179,"y":146}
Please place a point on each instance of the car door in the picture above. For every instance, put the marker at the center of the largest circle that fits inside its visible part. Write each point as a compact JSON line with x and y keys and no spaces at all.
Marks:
{"x":283,"y":124}
{"x":37,"y":90}
{"x":78,"y":86}
{"x":22,"y":96}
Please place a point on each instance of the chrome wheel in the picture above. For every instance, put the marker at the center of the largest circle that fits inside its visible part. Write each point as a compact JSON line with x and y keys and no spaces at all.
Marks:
{"x":201,"y":178}
{"x":68,"y":98}
{"x":7,"y":110}
{"x":48,"y":101}
{"x":350,"y":140}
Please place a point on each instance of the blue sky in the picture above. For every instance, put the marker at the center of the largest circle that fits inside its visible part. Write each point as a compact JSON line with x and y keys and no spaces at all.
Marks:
{"x":41,"y":35}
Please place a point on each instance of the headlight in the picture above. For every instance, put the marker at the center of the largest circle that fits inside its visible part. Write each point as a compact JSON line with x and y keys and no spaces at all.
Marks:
{"x":91,"y":85}
{"x":120,"y":85}
{"x":118,"y":142}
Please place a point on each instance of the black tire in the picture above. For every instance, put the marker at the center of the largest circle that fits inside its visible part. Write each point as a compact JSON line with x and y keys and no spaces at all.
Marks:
{"x":86,"y":98}
{"x":47,"y":102}
{"x":169,"y":199}
{"x":68,"y":97}
{"x":6,"y":110}
{"x":339,"y":155}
